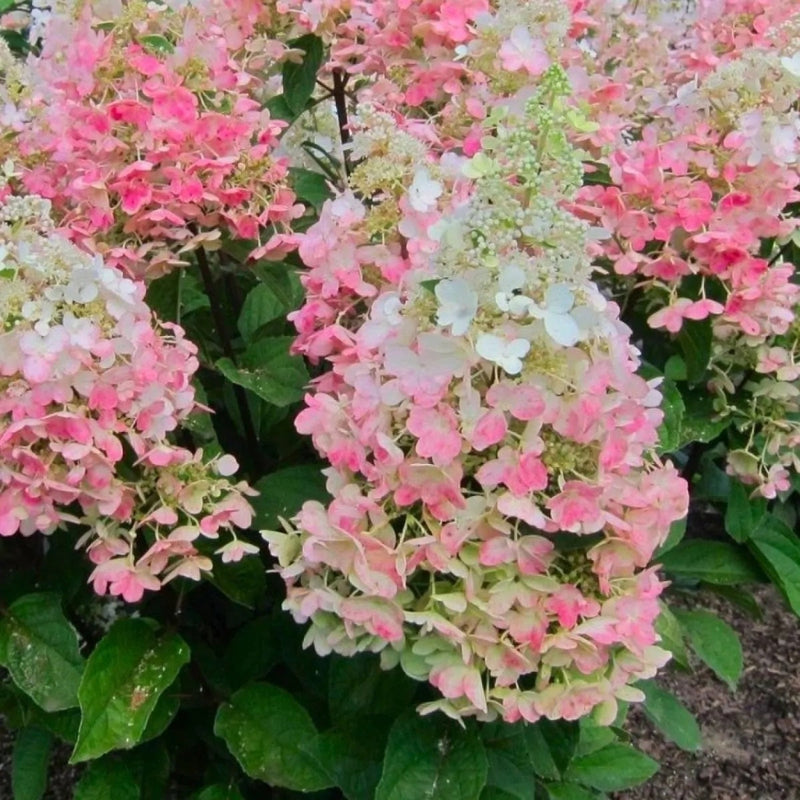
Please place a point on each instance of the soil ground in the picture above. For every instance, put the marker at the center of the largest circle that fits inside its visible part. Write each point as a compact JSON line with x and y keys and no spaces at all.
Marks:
{"x":751,"y":738}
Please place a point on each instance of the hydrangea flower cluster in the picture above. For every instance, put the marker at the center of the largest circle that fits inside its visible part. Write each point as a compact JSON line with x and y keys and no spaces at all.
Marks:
{"x":91,"y":386}
{"x":702,"y":156}
{"x":496,"y":497}
{"x":147,"y":130}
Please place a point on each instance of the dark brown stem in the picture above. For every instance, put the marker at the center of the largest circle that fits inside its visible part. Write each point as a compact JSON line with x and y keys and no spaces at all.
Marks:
{"x":340,"y":99}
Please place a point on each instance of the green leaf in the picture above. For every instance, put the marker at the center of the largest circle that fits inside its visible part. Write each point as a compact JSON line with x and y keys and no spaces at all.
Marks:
{"x":299,"y":79}
{"x":20,"y":711}
{"x":305,"y":665}
{"x":269,"y":371}
{"x":743,"y":513}
{"x":511,"y":773}
{"x":63,"y":724}
{"x":109,"y":777}
{"x":551,"y":745}
{"x":694,"y":340}
{"x":272,"y":737}
{"x":675,"y":368}
{"x":158,"y":44}
{"x":677,"y":530}
{"x":200,"y":424}
{"x":253,"y":651}
{"x":612,"y":768}
{"x":669,"y":433}
{"x":310,"y":187}
{"x":261,"y":306}
{"x":593,"y":737}
{"x":492,"y":792}
{"x":283,"y":280}
{"x":701,"y":422}
{"x":671,"y":633}
{"x":40,"y":649}
{"x":244,"y":581}
{"x":596,"y":174}
{"x":715,"y":643}
{"x":125,"y":676}
{"x":786,"y":511}
{"x":279,"y":109}
{"x":63,"y":569}
{"x":777,"y":549}
{"x":219,"y":791}
{"x":282,"y":493}
{"x":670,"y":716}
{"x":432,"y":758}
{"x":150,"y":766}
{"x":739,"y":597}
{"x":430,"y":284}
{"x":711,"y":561}
{"x":357,"y":685}
{"x":176,"y":295}
{"x":30,"y":763}
{"x":17,"y":43}
{"x":164,"y":712}
{"x":353,"y":757}
{"x":569,"y":791}
{"x":713,"y":484}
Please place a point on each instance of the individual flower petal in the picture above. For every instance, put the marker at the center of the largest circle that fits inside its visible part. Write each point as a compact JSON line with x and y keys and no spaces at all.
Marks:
{"x":506,"y":354}
{"x":458,"y":304}
{"x":424,"y":191}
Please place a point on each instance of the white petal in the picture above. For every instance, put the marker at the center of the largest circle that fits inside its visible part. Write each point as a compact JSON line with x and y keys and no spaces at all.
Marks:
{"x":792,"y":64}
{"x":518,"y":348}
{"x":511,"y":278}
{"x":559,"y":298}
{"x":460,"y":324}
{"x":502,"y":300}
{"x":511,"y":364}
{"x":520,"y":305}
{"x":585,"y":317}
{"x":562,"y":329}
{"x":490,"y":347}
{"x":452,"y":290}
{"x":424,"y":191}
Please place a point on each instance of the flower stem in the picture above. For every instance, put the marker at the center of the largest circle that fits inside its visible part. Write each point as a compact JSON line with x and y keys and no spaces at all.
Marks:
{"x":340,"y":99}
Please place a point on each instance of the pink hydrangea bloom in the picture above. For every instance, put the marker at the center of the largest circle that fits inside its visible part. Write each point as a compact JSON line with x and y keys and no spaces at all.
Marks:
{"x":464,"y":427}
{"x":150,"y":136}
{"x":89,"y":374}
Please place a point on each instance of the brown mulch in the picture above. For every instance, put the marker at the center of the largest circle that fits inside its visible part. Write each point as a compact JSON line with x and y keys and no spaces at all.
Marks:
{"x":751,"y":738}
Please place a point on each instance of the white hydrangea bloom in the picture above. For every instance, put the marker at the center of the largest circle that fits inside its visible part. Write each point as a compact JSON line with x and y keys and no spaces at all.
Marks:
{"x":506,"y":354}
{"x":458,"y":304}
{"x":559,"y":323}
{"x":511,"y":280}
{"x":424,"y":191}
{"x":792,"y":64}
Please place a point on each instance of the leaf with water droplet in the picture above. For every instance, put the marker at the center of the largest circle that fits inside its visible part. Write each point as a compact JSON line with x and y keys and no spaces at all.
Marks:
{"x":432,"y":758}
{"x":40,"y":649}
{"x":273,"y":738}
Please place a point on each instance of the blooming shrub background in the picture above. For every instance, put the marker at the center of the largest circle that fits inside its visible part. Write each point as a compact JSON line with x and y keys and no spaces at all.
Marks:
{"x":522,"y":273}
